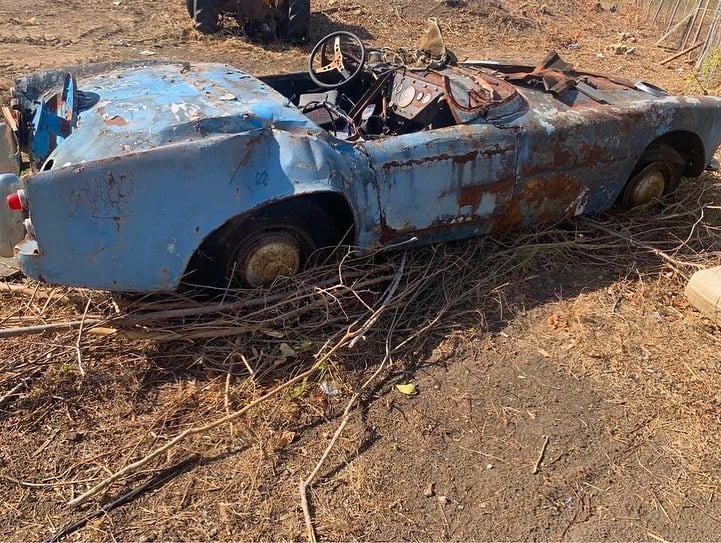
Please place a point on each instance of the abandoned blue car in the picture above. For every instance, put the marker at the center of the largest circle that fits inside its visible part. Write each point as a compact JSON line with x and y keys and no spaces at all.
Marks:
{"x":148,"y":175}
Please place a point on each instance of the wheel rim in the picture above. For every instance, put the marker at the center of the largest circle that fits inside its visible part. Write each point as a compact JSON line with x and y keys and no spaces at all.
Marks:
{"x":268,"y":257}
{"x":647,"y":186}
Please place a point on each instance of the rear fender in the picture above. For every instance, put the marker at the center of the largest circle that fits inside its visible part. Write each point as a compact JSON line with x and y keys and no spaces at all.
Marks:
{"x":133,"y":222}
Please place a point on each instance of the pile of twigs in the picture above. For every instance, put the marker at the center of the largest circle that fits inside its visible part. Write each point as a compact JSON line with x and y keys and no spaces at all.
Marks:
{"x":283,"y":335}
{"x":305,"y":311}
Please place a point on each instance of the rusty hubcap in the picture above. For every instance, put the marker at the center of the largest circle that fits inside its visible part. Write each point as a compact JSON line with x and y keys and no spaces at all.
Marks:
{"x":648,"y":186}
{"x":271,"y":256}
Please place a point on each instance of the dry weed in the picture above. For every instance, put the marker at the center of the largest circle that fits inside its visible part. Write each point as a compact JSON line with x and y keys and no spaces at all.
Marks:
{"x":171,"y":365}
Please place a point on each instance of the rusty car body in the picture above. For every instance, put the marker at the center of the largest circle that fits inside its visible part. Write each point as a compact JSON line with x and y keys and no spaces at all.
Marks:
{"x":147,"y":175}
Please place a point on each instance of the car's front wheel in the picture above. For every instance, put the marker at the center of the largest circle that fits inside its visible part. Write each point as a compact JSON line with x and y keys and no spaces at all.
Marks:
{"x":658,"y":172}
{"x":205,"y":15}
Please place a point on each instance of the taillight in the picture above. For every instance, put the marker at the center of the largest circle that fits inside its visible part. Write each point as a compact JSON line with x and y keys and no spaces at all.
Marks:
{"x":17,"y":201}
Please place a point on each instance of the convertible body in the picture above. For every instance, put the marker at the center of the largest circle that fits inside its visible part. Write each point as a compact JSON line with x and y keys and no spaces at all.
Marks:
{"x":139,"y":166}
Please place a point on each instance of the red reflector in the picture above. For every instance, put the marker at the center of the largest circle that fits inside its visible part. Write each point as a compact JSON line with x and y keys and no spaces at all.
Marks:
{"x":14,"y":201}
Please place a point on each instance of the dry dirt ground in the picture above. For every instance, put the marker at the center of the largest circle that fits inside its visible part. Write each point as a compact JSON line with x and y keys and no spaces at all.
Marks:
{"x":568,"y":393}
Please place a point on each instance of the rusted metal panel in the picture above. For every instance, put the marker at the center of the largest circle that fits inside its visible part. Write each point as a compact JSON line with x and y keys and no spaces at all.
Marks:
{"x":146,"y":191}
{"x":454,"y":182}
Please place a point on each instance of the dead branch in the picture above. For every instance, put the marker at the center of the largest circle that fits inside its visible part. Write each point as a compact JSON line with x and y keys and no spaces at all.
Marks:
{"x":12,"y":393}
{"x":674,"y":263}
{"x":537,"y":465}
{"x":130,"y":468}
{"x":19,"y":289}
{"x":155,"y":482}
{"x":680,"y":53}
{"x":50,"y":327}
{"x":347,"y":411}
{"x":257,"y":301}
{"x":78,"y":341}
{"x":675,"y":27}
{"x":351,"y":332}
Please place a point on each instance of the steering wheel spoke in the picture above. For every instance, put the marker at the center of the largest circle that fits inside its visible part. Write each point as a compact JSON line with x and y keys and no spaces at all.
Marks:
{"x":331,"y":67}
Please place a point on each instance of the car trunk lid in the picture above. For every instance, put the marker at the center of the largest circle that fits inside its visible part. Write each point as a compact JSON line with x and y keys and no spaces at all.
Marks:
{"x":134,"y":108}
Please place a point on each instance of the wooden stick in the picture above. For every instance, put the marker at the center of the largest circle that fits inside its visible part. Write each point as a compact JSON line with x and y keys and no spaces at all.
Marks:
{"x":704,"y":91}
{"x":700,"y":24}
{"x":42,"y":328}
{"x":673,"y":14}
{"x":708,"y":42}
{"x":78,"y":341}
{"x":27,"y":291}
{"x":537,"y":466}
{"x":680,"y":53}
{"x":150,"y":335}
{"x":153,"y":483}
{"x":12,"y":392}
{"x":658,"y":11}
{"x":675,"y":27}
{"x":692,"y":24}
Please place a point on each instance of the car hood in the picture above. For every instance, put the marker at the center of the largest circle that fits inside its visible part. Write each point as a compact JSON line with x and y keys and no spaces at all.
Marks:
{"x":134,"y":108}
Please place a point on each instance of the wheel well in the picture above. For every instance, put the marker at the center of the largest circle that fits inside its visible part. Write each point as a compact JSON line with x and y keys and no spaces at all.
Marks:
{"x":333,"y":204}
{"x":690,"y":147}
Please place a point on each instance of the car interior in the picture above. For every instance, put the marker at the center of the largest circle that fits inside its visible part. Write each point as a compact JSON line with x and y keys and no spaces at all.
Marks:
{"x":357,"y":94}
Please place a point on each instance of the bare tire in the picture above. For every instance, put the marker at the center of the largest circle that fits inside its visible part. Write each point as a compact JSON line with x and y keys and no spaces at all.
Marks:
{"x":205,"y":15}
{"x":294,"y":28}
{"x":658,"y":172}
{"x":278,"y":241}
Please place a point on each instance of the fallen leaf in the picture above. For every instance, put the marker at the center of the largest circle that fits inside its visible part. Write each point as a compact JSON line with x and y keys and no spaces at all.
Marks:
{"x":283,"y":440}
{"x":305,"y":345}
{"x":407,"y":389}
{"x":557,"y":321}
{"x":286,"y":350}
{"x":328,"y":389}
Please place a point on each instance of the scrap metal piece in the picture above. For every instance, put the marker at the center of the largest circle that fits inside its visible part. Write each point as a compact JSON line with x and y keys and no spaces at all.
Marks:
{"x":12,"y":229}
{"x":9,"y":150}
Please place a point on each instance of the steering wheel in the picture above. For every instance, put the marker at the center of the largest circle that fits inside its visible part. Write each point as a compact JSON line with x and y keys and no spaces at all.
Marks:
{"x":336,"y":59}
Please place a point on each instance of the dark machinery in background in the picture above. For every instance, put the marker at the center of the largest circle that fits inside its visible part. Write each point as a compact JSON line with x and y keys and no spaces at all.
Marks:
{"x":262,"y":20}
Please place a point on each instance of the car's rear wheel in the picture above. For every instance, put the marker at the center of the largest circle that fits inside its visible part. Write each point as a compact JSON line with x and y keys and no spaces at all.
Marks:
{"x":658,"y":172}
{"x":268,"y":253}
{"x":205,"y":15}
{"x":294,"y":28}
{"x":278,"y":241}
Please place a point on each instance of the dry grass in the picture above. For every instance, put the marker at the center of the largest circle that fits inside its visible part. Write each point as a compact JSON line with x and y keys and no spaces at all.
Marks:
{"x":162,"y":366}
